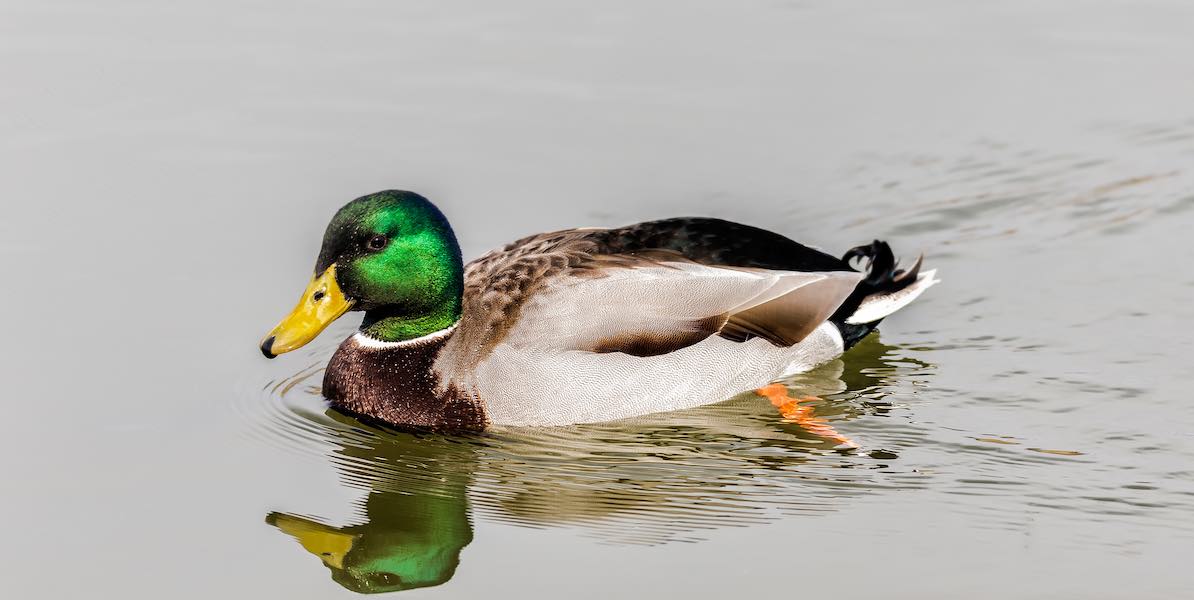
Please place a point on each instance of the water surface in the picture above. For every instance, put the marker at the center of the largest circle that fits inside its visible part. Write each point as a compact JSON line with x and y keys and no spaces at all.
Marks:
{"x":1023,"y":429}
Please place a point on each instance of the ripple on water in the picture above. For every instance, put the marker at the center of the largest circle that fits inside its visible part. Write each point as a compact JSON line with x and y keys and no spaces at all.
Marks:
{"x":1000,"y":191}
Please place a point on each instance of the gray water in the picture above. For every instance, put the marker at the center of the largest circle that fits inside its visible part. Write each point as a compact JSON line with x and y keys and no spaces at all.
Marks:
{"x":166,"y":170}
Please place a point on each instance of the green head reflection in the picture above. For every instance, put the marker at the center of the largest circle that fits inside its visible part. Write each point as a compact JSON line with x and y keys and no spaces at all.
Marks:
{"x":414,"y":530}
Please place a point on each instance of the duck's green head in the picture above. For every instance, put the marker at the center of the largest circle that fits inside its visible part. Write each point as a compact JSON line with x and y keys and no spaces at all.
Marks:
{"x":391,"y":254}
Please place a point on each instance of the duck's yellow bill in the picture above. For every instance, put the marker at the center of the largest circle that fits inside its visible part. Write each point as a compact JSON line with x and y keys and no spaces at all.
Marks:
{"x":320,"y":304}
{"x":328,"y":543}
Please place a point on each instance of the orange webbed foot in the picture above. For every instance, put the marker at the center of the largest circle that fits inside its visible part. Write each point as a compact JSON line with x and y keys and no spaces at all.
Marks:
{"x":801,"y":415}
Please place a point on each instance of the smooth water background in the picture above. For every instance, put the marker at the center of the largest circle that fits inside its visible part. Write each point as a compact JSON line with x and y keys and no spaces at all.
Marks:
{"x":166,"y":170}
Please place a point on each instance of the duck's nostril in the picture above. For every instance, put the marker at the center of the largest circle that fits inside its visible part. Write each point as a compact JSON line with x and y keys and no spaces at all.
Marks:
{"x":317,"y":296}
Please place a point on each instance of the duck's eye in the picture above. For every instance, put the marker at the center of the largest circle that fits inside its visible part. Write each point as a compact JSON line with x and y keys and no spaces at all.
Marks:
{"x":377,"y":242}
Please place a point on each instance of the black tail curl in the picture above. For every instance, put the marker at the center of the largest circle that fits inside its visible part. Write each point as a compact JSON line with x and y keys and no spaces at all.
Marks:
{"x":883,"y":276}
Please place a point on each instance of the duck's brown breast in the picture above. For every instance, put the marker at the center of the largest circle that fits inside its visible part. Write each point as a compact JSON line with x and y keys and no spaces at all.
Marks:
{"x":395,"y":383}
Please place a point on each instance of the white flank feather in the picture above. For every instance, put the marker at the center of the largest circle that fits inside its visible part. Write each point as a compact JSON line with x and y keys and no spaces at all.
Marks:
{"x":524,"y":387}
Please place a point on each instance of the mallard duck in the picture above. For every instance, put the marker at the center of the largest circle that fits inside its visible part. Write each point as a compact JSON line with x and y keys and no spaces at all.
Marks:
{"x":575,"y":326}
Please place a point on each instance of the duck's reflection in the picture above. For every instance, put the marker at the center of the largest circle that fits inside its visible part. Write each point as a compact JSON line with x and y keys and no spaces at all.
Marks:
{"x":409,"y":538}
{"x":652,"y":480}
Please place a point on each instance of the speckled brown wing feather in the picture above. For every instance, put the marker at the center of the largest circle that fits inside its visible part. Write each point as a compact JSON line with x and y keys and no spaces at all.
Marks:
{"x":497,"y":284}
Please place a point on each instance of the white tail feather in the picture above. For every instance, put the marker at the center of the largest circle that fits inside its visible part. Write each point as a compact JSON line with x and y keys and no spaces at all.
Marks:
{"x":878,"y":306}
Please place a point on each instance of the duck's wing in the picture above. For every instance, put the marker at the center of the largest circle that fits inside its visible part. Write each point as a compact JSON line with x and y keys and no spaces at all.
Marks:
{"x":648,"y":307}
{"x":645,"y":290}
